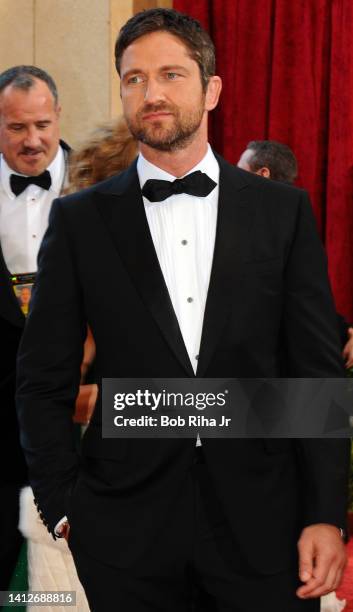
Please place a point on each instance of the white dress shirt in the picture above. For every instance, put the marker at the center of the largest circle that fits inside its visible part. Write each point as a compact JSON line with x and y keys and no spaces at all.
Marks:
{"x":183,"y":230}
{"x":24,"y":218}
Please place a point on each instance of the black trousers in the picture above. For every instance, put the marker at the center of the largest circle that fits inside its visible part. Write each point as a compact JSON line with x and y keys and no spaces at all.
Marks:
{"x":194,"y":566}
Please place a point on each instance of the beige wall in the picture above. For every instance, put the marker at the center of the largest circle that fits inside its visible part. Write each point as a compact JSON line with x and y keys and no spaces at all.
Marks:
{"x":74,"y":41}
{"x":120,"y":11}
{"x":16,"y":32}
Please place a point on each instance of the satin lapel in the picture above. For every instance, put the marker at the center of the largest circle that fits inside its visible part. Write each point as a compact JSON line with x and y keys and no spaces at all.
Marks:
{"x":121,"y":207}
{"x":232,"y":248}
{"x":9,"y":308}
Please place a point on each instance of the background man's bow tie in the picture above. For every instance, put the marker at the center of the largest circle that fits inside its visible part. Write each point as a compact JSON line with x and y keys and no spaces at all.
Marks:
{"x":196,"y":184}
{"x":19,"y":183}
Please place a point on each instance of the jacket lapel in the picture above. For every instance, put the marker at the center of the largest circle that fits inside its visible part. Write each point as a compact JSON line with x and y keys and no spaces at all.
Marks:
{"x":121,"y":206}
{"x":232,"y":249}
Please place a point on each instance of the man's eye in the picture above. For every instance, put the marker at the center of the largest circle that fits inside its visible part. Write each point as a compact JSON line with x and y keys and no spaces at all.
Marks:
{"x":171,"y":76}
{"x":135,"y":80}
{"x":16,"y":128}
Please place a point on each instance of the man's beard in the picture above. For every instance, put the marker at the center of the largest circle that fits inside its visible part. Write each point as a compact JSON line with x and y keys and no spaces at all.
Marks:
{"x":177,"y":136}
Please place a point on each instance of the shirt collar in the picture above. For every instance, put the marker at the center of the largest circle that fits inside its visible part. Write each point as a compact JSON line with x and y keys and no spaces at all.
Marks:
{"x":56,"y":169}
{"x":146,"y":170}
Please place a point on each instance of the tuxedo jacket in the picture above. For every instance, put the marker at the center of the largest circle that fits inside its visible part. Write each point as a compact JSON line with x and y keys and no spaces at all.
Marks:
{"x":268,"y":296}
{"x":13,"y":466}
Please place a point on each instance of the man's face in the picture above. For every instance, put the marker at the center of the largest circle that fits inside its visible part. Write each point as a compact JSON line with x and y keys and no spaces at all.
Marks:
{"x":161,"y":92}
{"x":25,"y":295}
{"x":29,"y":128}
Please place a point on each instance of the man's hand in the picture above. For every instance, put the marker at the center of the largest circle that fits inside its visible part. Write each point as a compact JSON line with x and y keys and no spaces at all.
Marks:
{"x":64,"y":530}
{"x":85,"y":403}
{"x":348,"y":349}
{"x":322,"y":559}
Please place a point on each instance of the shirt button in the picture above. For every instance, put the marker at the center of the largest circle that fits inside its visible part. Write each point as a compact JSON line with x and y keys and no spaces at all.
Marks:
{"x":196,"y":357}
{"x":184,"y":242}
{"x":34,"y":235}
{"x":190,"y":299}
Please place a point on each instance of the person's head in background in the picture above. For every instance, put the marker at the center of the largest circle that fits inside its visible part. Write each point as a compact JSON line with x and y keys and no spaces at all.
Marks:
{"x":29,"y":119}
{"x":269,"y":159}
{"x":108,"y":151}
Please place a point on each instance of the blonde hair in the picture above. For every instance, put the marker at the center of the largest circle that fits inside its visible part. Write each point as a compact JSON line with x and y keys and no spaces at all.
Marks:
{"x":109,"y":151}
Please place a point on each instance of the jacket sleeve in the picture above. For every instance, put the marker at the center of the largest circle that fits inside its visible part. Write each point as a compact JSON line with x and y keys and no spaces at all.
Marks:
{"x":314,"y":351}
{"x":343,"y":327}
{"x":48,"y":375}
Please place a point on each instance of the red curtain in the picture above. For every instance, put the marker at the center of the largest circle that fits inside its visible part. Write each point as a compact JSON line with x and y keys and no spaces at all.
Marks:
{"x":287,"y":71}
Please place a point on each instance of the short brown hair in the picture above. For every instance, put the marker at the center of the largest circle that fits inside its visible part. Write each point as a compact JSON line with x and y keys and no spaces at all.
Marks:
{"x":23,"y":77}
{"x":187,"y":29}
{"x":276,"y":156}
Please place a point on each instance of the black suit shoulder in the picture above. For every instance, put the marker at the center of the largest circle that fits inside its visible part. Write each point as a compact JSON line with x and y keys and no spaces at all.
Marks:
{"x":269,"y":190}
{"x":116,"y":184}
{"x":277,"y":209}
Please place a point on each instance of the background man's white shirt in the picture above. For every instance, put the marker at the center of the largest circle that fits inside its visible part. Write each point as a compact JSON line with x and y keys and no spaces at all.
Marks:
{"x":24,"y":219}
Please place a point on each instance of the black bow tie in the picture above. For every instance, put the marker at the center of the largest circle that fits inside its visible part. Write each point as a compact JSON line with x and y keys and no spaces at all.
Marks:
{"x":19,"y":183}
{"x":196,"y":184}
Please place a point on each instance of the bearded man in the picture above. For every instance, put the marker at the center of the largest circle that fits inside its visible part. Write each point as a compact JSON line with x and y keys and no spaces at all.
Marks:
{"x":203,"y":262}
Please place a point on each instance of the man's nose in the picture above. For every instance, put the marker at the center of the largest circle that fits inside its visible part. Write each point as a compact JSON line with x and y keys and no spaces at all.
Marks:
{"x":154,"y":91}
{"x":32,"y":139}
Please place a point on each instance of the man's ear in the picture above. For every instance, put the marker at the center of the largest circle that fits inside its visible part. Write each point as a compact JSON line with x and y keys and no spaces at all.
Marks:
{"x":58,"y":111}
{"x":214,"y":88}
{"x":265,"y":172}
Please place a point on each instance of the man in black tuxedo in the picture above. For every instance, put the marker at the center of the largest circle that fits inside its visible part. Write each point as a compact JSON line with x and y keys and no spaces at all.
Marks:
{"x":178,"y":279}
{"x":32,"y":171}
